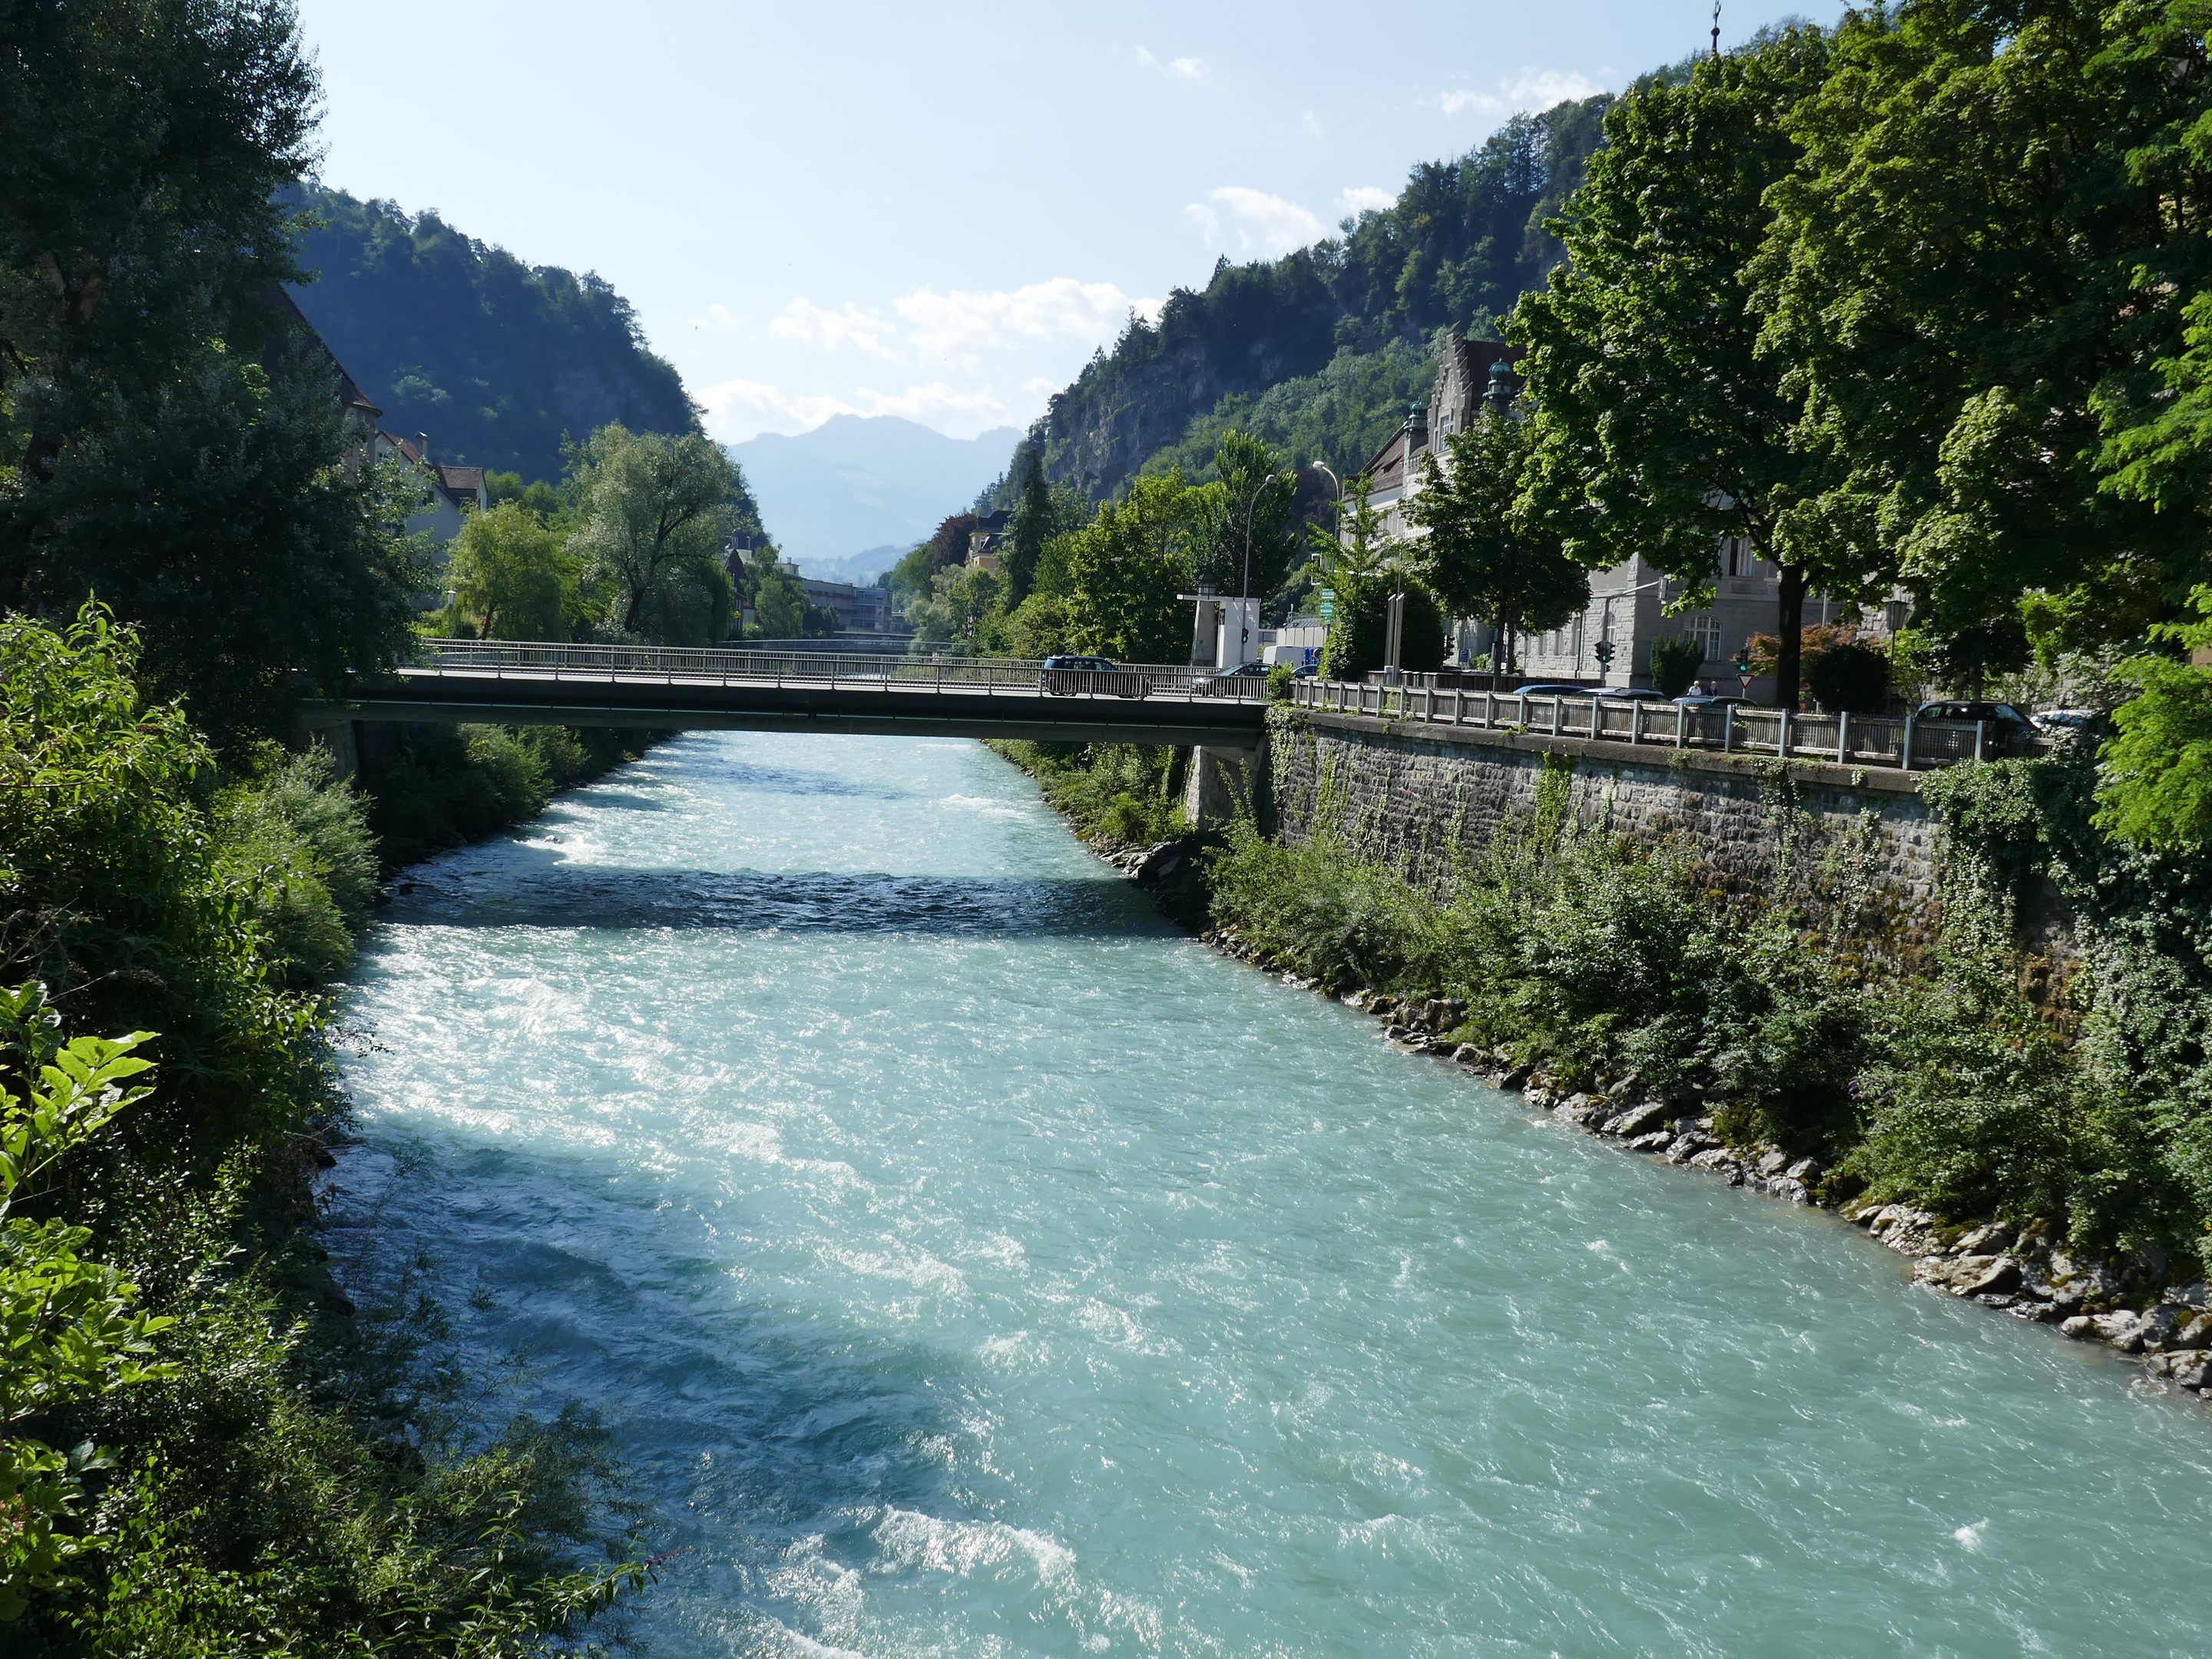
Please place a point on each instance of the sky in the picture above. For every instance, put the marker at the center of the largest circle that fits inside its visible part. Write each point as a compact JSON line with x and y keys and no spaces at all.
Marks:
{"x":933,"y":211}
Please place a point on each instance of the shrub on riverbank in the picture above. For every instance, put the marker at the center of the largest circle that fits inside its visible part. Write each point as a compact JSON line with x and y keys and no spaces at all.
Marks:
{"x":451,"y":785}
{"x":275,"y":1472}
{"x":1942,"y":1084}
{"x":1122,"y":794}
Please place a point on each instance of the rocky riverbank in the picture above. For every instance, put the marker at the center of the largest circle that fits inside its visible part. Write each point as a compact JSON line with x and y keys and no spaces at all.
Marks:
{"x":2027,"y":1272}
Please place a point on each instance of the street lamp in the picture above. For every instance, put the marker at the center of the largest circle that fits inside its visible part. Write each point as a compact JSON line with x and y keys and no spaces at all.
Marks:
{"x":1244,"y":592}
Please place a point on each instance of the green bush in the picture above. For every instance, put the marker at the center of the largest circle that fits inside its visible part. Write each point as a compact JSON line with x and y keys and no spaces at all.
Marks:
{"x":1356,"y":641}
{"x":1675,"y":661}
{"x":257,"y":1467}
{"x":1852,"y":677}
{"x":1120,"y":793}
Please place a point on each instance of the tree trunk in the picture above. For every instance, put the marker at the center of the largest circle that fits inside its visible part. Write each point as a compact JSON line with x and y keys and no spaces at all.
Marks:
{"x":1789,"y":636}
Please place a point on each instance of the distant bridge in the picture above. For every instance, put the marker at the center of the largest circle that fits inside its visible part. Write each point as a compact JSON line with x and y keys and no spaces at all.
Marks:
{"x":665,"y":688}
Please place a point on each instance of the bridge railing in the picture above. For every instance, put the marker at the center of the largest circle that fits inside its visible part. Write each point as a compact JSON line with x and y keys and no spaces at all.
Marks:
{"x":1859,"y":740}
{"x":719,"y":665}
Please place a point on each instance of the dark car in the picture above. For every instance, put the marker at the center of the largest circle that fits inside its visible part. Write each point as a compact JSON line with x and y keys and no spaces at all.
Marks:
{"x":1713,"y":700}
{"x":1547,"y":690}
{"x":2004,"y":726}
{"x":1634,"y":694}
{"x":1067,"y":676}
{"x":1064,"y":675}
{"x":1228,"y":681}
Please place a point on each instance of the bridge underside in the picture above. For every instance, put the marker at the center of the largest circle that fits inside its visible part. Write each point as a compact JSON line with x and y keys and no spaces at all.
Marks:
{"x":450,"y":698}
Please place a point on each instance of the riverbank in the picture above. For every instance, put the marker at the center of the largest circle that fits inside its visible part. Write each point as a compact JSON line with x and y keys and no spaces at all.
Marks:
{"x":2025,"y":1271}
{"x":1776,"y":1043}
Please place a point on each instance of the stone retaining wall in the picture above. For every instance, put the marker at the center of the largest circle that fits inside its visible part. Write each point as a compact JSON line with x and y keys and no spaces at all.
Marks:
{"x":1425,"y":798}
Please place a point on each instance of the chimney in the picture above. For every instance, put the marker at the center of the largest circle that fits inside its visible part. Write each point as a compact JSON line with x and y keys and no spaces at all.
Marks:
{"x":422,"y":448}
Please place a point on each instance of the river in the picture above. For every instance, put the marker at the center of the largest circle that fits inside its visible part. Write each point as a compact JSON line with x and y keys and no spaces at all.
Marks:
{"x":971,"y":1265}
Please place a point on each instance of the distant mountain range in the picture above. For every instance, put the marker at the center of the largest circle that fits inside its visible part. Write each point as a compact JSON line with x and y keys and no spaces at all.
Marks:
{"x":845,"y":500}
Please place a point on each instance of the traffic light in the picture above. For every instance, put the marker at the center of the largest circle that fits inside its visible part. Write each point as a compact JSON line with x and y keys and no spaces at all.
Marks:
{"x":1743,"y":660}
{"x":1604,"y":650}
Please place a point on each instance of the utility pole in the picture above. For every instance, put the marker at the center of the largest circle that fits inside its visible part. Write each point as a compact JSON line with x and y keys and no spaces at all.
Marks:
{"x":1716,"y":30}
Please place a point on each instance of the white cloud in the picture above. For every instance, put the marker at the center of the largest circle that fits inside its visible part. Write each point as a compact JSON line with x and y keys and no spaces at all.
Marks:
{"x":1258,"y":223}
{"x":1355,"y":199}
{"x":868,"y":332}
{"x":737,"y":410}
{"x":959,"y":324}
{"x":1191,"y":71}
{"x":720,"y":320}
{"x":1311,"y":126}
{"x":1528,"y":89}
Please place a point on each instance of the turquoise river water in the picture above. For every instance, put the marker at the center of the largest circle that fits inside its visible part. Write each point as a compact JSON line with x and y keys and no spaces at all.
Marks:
{"x":971,"y":1265}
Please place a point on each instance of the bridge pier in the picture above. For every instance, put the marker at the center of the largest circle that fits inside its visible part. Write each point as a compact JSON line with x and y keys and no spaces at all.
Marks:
{"x":1221,"y":782}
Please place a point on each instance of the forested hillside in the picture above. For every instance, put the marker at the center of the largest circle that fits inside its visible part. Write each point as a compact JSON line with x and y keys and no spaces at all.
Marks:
{"x":495,"y":360}
{"x":1463,"y":240}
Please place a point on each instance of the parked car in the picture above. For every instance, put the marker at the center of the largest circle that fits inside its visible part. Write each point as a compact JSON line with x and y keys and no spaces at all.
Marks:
{"x":1633,"y":694}
{"x":2056,"y":721}
{"x":1064,"y":676}
{"x":1548,"y":690}
{"x":2008,"y":729}
{"x":1228,"y":681}
{"x":1713,"y":700}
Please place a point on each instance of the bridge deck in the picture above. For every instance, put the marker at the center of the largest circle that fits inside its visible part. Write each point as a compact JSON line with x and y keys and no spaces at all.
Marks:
{"x":640,"y":687}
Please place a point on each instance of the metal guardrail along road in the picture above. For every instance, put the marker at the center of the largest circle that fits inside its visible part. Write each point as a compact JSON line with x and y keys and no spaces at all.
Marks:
{"x":501,"y":659}
{"x":1862,"y":740}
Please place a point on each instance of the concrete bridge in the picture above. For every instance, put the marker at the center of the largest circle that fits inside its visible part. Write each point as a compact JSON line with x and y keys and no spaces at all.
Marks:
{"x":505,"y":682}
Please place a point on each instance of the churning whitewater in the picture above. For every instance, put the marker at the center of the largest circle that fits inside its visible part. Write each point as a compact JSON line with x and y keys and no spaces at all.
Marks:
{"x":970,"y":1264}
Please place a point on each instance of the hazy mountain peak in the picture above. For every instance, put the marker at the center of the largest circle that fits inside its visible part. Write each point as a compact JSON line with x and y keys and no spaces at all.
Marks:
{"x":859,"y":489}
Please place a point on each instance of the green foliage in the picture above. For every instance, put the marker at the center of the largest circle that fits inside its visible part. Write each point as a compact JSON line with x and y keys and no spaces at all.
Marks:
{"x":1852,"y":676}
{"x":249,"y":1470}
{"x":1118,"y":793}
{"x":1997,"y":418}
{"x":1361,"y":631}
{"x":2156,"y":791}
{"x":501,"y":363}
{"x":1483,"y":556}
{"x":1661,"y":426}
{"x":652,"y":513}
{"x":297,"y":842}
{"x":1340,"y":416}
{"x":510,"y":571}
{"x":1126,"y":568}
{"x":1675,"y":660}
{"x":166,"y":439}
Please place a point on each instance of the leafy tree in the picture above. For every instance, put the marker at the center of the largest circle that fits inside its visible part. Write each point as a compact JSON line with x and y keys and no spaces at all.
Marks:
{"x":653,"y":514}
{"x":1035,"y":523}
{"x":1660,"y":425}
{"x":166,"y":439}
{"x":1360,"y":634}
{"x":1990,"y":245}
{"x":512,"y":574}
{"x":1851,"y":676}
{"x":1485,"y":555}
{"x":2155,"y":784}
{"x":1243,"y":524}
{"x":779,"y":602}
{"x":1126,"y":568}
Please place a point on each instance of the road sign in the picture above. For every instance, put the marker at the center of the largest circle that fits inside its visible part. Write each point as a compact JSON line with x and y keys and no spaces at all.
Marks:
{"x":1328,"y":604}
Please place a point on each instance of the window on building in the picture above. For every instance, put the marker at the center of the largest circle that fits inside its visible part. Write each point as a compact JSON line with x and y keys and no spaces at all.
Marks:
{"x":1705,"y":628}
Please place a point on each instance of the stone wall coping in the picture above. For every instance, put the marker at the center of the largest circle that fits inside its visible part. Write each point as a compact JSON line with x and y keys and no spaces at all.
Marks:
{"x":1877,"y":780}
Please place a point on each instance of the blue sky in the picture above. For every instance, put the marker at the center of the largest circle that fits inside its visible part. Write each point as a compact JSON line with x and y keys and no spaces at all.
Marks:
{"x":932,"y":211}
